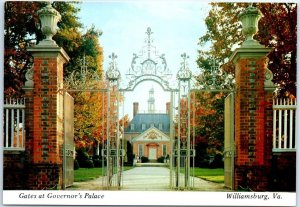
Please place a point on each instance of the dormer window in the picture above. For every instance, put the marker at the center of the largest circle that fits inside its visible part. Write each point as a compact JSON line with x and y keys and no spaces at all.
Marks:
{"x":132,"y":127}
{"x":143,"y":126}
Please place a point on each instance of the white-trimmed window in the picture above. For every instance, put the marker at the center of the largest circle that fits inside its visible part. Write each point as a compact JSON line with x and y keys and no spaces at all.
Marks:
{"x":141,"y":150}
{"x":132,"y":127}
{"x":152,"y":125}
{"x":160,"y":126}
{"x":143,"y":126}
{"x":164,"y":150}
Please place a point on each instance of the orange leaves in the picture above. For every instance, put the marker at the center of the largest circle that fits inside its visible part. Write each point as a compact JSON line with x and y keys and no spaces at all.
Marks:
{"x":277,"y":29}
{"x":90,"y":114}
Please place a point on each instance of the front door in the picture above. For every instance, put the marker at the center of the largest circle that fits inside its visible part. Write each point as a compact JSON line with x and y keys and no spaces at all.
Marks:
{"x":152,"y":154}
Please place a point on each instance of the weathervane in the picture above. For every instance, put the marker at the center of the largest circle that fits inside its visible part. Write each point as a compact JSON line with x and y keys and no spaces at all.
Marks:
{"x":149,"y":32}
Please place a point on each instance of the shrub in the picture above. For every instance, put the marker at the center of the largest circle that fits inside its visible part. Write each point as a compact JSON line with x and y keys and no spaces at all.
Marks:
{"x":203,"y":163}
{"x":96,"y":157}
{"x":217,"y":162}
{"x":86,"y":164}
{"x":128,"y":164}
{"x":97,"y":163}
{"x":82,"y":155}
{"x":144,"y":159}
{"x":76,"y":165}
{"x":161,"y":159}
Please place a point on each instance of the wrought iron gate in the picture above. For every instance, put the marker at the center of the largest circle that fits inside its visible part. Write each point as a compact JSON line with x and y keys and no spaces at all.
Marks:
{"x":113,"y":150}
{"x":183,"y":146}
{"x":68,"y":146}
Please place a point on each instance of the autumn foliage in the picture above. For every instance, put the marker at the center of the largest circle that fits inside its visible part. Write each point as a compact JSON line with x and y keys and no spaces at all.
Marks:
{"x":277,"y":30}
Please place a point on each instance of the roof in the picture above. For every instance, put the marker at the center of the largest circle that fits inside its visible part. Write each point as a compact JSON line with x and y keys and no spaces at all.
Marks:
{"x":159,"y":121}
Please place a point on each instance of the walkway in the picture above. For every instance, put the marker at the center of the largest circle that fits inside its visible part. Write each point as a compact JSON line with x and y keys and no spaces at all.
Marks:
{"x":146,"y":179}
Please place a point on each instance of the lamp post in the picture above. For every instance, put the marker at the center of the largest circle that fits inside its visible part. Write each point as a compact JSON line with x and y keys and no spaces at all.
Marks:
{"x":49,"y":18}
{"x":113,"y":76}
{"x":184,"y":76}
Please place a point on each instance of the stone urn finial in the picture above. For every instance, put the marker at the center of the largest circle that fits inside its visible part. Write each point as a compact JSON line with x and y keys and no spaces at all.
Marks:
{"x":249,"y":19}
{"x":49,"y":18}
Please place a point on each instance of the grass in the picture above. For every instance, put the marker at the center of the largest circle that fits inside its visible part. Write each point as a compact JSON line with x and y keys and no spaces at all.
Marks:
{"x":85,"y":174}
{"x":213,"y":175}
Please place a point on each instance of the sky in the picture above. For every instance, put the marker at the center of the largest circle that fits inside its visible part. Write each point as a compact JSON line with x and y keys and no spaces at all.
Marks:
{"x":176,"y":26}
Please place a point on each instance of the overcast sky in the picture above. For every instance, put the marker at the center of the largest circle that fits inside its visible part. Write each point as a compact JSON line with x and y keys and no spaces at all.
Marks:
{"x":176,"y":27}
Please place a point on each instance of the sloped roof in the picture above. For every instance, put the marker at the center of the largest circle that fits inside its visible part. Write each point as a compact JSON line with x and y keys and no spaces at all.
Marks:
{"x":148,"y":119}
{"x":151,"y":135}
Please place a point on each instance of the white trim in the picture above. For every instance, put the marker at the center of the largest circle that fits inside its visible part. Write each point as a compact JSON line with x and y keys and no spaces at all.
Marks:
{"x":141,"y":137}
{"x":284,"y":150}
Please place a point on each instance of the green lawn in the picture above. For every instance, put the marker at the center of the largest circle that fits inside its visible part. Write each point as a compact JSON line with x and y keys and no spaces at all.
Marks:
{"x":85,"y":174}
{"x":213,"y":175}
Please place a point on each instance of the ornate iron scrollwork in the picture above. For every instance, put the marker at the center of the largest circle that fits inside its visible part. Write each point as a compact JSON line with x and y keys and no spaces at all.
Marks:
{"x":184,"y":73}
{"x":216,"y":79}
{"x":148,"y":65}
{"x":113,"y":74}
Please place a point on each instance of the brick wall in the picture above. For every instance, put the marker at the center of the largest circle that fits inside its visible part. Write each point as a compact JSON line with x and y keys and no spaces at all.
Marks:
{"x":46,"y":126}
{"x":16,"y":163}
{"x":40,"y":165}
{"x":14,"y":174}
{"x":44,"y":176}
{"x":252,"y":163}
{"x":283,"y":172}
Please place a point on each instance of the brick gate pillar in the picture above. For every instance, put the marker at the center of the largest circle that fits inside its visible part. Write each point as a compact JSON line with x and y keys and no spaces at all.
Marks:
{"x":46,"y":158}
{"x":252,"y":117}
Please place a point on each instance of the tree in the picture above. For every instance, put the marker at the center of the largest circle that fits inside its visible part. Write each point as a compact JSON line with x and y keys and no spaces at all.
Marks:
{"x":209,"y":118}
{"x":277,"y":29}
{"x":21,"y":30}
{"x":89,"y":49}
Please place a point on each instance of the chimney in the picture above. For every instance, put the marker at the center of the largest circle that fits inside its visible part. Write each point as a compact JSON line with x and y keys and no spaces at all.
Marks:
{"x":168,"y":107}
{"x":135,"y":108}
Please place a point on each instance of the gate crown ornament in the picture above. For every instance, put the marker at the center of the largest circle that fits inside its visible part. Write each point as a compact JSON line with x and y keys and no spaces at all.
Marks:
{"x":49,"y":18}
{"x":148,"y":64}
{"x":113,"y":74}
{"x":148,"y":61}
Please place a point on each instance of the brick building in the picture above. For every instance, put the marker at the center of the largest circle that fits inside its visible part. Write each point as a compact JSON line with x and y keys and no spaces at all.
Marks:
{"x":149,"y":132}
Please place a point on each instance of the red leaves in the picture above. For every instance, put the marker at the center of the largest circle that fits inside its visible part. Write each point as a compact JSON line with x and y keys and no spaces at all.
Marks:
{"x":277,"y":29}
